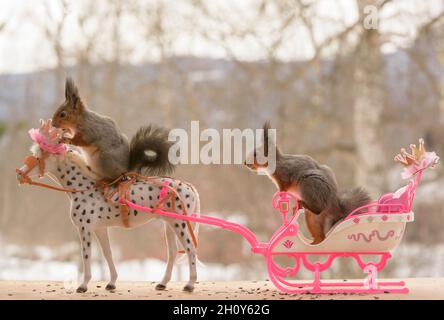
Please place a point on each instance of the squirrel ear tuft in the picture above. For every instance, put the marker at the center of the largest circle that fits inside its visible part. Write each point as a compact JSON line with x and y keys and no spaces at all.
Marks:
{"x":266,"y":126}
{"x":71,"y":92}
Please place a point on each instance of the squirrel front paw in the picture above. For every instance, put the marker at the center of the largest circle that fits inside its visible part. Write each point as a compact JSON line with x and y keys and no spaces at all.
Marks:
{"x":66,"y":140}
{"x":67,"y":137}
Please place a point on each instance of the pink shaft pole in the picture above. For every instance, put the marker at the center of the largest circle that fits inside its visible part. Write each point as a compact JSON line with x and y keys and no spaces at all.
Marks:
{"x":243,"y":231}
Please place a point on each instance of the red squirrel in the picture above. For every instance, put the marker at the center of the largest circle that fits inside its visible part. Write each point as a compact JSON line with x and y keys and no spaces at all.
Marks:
{"x":313,"y":184}
{"x":108,"y":151}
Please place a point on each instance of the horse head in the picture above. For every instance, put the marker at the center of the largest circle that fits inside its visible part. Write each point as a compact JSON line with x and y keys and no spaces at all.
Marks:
{"x":47,"y":143}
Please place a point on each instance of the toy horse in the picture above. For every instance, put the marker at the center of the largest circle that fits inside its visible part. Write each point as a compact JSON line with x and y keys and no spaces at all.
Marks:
{"x":92,"y":214}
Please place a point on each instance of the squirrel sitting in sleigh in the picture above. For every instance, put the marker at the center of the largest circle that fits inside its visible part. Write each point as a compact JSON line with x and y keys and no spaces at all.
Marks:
{"x":312,"y":183}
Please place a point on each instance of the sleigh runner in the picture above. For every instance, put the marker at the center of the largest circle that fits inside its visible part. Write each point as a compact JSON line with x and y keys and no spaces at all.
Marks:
{"x":369,"y":234}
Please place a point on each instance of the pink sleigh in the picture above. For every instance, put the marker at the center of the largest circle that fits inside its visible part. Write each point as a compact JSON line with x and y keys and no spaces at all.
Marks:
{"x":369,"y":235}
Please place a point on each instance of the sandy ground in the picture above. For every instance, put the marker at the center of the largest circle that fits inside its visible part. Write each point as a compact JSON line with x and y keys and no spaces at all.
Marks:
{"x":420,"y":288}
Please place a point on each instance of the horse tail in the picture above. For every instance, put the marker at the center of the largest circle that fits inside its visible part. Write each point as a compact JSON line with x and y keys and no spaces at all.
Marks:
{"x":196,"y":211}
{"x":182,"y":258}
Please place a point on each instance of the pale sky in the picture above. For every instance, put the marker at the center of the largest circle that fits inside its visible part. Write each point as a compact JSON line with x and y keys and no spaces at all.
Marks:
{"x":23,"y":48}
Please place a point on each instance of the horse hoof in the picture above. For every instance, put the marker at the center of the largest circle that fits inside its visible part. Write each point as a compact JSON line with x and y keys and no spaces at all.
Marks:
{"x":110,"y":287}
{"x":160,"y":287}
{"x":81,"y":290}
{"x":188,"y":288}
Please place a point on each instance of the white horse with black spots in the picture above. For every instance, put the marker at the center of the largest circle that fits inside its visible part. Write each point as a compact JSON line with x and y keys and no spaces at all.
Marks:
{"x":93,"y":215}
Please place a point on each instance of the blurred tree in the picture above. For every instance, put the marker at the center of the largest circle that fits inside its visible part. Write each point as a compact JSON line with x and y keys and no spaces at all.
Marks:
{"x":3,"y":128}
{"x":344,"y":105}
{"x":369,"y":103}
{"x":53,"y":27}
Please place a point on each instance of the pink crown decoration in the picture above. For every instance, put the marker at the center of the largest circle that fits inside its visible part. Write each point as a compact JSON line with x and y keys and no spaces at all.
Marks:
{"x":419,"y":159}
{"x":48,"y":138}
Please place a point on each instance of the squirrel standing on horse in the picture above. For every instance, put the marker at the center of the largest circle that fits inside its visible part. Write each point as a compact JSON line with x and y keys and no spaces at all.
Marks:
{"x":108,"y":152}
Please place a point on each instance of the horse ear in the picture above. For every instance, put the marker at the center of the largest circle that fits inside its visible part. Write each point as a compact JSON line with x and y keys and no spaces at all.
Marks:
{"x":45,"y":126}
{"x":72,"y":94}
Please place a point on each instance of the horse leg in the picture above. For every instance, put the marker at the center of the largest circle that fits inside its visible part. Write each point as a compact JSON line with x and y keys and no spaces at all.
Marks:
{"x":181,"y":230}
{"x":172,"y":253}
{"x":102,"y":237}
{"x":85,"y":240}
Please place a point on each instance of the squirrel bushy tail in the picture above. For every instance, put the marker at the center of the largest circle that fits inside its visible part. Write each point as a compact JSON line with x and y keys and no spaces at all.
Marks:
{"x":353,"y":199}
{"x":149,"y":151}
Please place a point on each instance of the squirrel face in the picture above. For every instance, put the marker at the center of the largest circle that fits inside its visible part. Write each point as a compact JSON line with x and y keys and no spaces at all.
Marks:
{"x":67,"y":116}
{"x":258,"y":159}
